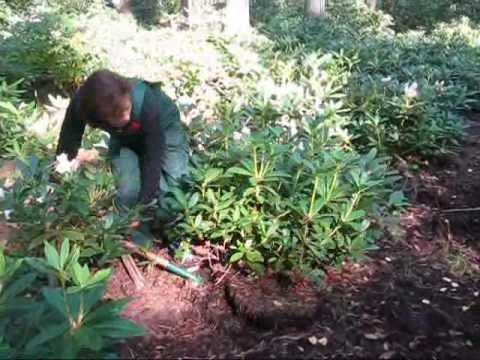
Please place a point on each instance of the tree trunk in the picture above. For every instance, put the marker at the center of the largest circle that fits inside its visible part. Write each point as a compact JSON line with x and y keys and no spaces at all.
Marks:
{"x":186,"y":7}
{"x":238,"y":16}
{"x":315,"y":8}
{"x":372,"y":4}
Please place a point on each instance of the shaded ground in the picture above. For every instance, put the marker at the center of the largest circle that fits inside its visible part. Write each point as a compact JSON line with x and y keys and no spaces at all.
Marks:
{"x":416,"y":297}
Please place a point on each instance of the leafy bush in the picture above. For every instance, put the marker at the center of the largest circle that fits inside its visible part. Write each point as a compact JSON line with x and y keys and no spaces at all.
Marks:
{"x":77,"y":206}
{"x":282,"y":202}
{"x":14,"y":117}
{"x":276,"y":181}
{"x":149,"y":12}
{"x":77,"y":6}
{"x":377,"y":66}
{"x":52,"y":307}
{"x":44,"y":49}
{"x":413,"y":14}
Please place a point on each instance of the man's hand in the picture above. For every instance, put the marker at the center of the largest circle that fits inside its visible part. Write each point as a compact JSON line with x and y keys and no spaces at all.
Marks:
{"x":87,"y":156}
{"x":135,"y":224}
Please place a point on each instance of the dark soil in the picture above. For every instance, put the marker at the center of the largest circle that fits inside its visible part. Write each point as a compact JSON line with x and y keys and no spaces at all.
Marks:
{"x":416,"y":297}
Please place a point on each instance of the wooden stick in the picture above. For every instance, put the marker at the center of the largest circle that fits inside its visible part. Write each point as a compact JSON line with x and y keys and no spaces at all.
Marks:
{"x":475,"y":209}
{"x":147,"y":254}
{"x":133,"y":271}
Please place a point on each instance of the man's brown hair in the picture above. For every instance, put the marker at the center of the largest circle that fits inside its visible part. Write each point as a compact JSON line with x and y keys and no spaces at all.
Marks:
{"x":103,"y":93}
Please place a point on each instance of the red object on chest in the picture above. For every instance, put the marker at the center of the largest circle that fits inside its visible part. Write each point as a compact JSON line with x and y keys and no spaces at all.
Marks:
{"x":135,"y":125}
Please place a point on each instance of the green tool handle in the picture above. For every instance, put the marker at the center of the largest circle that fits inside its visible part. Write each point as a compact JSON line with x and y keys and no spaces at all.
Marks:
{"x":164,"y":263}
{"x":183,"y":273}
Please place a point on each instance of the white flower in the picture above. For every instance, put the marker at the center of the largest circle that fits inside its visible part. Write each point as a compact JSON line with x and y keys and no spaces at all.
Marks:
{"x":288,"y":123}
{"x":9,"y":183}
{"x":293,"y":128}
{"x":40,"y":126}
{"x":185,"y":100}
{"x":285,"y":120}
{"x":246,"y":131}
{"x":64,"y":165}
{"x":300,"y":146}
{"x":411,"y":90}
{"x":2,"y":194}
{"x":387,"y":79}
{"x":40,"y":199}
{"x":7,"y":213}
{"x":237,"y":136}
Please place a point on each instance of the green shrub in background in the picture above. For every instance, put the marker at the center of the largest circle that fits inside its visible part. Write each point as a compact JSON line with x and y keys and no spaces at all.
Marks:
{"x":379,"y":68}
{"x":34,"y":6}
{"x":426,"y":14}
{"x":15,"y":114}
{"x":5,"y":14}
{"x":44,"y":49}
{"x":75,"y":6}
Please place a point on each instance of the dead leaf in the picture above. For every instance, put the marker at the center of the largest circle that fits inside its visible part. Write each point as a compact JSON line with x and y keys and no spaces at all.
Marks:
{"x":375,"y":336}
{"x":323,"y":341}
{"x":387,"y":355}
{"x":7,"y":169}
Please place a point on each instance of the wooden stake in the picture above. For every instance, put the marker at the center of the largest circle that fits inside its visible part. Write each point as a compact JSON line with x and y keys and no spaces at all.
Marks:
{"x":447,"y":211}
{"x":133,"y":271}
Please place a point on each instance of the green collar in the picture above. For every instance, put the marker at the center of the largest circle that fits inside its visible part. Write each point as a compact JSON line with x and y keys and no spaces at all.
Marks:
{"x":138,"y":93}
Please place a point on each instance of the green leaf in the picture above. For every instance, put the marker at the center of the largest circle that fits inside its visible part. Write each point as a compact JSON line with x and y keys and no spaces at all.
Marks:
{"x":212,"y":174}
{"x":3,"y":263}
{"x":75,"y":304}
{"x":9,"y":107}
{"x":193,"y":200}
{"x":89,"y":252}
{"x":40,"y":265}
{"x":64,"y":252}
{"x":92,"y":297}
{"x":239,"y":171}
{"x":180,"y":197}
{"x":74,"y":256}
{"x":88,"y":338}
{"x":18,"y":286}
{"x":119,"y":328}
{"x":106,"y":310}
{"x":56,"y":298}
{"x":73,"y":235}
{"x":255,"y":256}
{"x":52,"y":256}
{"x":80,"y":274}
{"x":108,"y":221}
{"x":236,"y":257}
{"x":397,"y":198}
{"x":354,"y":215}
{"x":100,"y":276}
{"x":47,"y":333}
